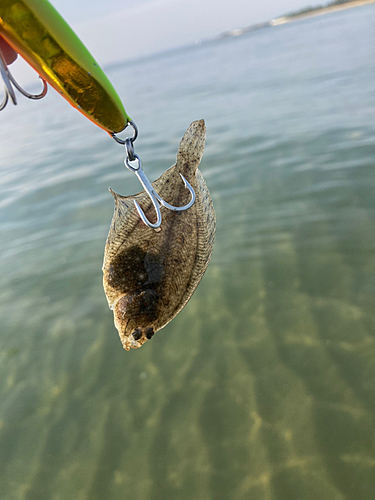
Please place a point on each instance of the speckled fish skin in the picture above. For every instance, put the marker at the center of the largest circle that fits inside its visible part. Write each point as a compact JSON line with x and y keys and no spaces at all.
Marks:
{"x":149,"y":275}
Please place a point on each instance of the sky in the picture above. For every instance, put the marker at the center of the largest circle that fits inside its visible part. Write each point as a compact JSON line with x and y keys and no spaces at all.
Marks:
{"x":117,"y":30}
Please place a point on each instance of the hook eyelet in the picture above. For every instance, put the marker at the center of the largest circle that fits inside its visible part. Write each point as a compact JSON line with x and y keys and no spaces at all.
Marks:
{"x":131,"y":139}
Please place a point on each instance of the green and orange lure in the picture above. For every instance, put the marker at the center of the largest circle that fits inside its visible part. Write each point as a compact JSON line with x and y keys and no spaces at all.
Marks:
{"x":41,"y":36}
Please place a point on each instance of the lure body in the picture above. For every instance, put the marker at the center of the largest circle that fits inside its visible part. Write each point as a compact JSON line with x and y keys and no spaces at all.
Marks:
{"x":42,"y":37}
{"x":149,"y":275}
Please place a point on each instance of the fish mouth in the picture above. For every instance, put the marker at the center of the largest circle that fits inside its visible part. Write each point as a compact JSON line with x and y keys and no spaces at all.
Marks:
{"x":137,"y":338}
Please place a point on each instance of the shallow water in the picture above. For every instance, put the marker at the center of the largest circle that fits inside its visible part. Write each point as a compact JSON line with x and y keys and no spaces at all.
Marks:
{"x":264,"y":386}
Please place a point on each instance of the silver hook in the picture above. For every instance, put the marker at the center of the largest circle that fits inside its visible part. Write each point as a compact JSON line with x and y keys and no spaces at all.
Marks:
{"x":9,"y":80}
{"x":156,"y":199}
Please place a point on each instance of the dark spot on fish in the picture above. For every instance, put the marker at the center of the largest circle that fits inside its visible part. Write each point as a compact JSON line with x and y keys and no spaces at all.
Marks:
{"x":149,"y":333}
{"x":134,"y":271}
{"x":137,"y":334}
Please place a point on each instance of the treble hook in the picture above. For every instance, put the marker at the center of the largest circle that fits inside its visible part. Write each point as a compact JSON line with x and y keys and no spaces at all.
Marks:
{"x":9,"y":80}
{"x":156,"y":199}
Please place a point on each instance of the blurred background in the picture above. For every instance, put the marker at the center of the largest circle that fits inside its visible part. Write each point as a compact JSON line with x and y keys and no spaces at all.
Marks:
{"x":263,"y":387}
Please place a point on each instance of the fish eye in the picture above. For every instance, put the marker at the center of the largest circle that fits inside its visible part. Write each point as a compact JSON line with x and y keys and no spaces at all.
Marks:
{"x":137,"y":334}
{"x":149,"y":333}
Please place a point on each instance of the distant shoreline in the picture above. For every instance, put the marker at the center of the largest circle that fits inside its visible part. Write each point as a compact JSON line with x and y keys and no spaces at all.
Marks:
{"x":318,"y":12}
{"x":287,"y":18}
{"x":291,"y":18}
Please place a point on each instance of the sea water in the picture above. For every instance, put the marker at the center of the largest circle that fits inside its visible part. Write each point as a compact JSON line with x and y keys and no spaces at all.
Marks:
{"x":263,"y":387}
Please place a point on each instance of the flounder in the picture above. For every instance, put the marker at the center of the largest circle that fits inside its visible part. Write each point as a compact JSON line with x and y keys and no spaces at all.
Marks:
{"x":149,"y":275}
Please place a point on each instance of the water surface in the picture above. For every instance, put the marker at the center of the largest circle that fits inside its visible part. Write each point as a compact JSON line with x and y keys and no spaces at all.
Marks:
{"x":263,"y":387}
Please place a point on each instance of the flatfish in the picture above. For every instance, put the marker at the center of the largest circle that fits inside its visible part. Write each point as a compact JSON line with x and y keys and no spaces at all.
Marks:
{"x":149,"y":275}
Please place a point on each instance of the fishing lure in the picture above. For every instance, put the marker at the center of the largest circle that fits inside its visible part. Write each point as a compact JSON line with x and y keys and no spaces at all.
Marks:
{"x":150,"y":273}
{"x":42,"y":37}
